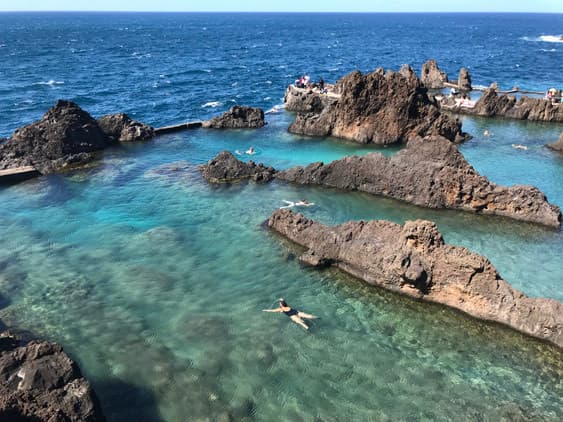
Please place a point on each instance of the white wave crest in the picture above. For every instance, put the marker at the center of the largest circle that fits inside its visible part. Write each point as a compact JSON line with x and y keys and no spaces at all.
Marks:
{"x":545,"y":38}
{"x":212,"y":104}
{"x":275,"y":109}
{"x":51,"y":82}
{"x":551,"y":38}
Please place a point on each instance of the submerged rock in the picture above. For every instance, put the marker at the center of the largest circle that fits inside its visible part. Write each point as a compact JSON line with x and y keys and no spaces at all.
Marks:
{"x":238,"y":117}
{"x":432,"y":173}
{"x":227,"y":168}
{"x":379,"y":107}
{"x":121,"y":128}
{"x":558,"y":145}
{"x":414,"y":260}
{"x":39,"y":382}
{"x":431,"y":75}
{"x":491,"y":104}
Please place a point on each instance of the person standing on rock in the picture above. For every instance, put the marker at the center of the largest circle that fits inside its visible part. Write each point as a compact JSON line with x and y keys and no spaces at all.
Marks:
{"x":295,"y":315}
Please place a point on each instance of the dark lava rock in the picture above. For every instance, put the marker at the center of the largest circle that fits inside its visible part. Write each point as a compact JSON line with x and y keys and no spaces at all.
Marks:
{"x":558,"y":145}
{"x":491,"y":104}
{"x":382,"y":108}
{"x":414,"y":260}
{"x":65,"y":136}
{"x":431,"y":75}
{"x":432,"y":173}
{"x":226,"y":168}
{"x":238,"y":117}
{"x":121,"y":128}
{"x":306,"y":100}
{"x":39,"y":382}
{"x":464,"y":80}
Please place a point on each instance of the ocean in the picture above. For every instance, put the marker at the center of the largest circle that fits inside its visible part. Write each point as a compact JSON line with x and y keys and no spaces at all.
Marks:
{"x":154,"y":280}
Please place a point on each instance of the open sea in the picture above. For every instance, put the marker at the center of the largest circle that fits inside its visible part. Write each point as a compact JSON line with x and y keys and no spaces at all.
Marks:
{"x":154,"y":280}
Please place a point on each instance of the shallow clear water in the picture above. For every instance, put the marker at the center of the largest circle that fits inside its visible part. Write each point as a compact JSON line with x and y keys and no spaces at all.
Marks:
{"x":154,"y":281}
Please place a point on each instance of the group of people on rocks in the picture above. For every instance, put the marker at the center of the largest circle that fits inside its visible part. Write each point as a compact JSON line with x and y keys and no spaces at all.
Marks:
{"x":305,"y":82}
{"x":554,"y":95}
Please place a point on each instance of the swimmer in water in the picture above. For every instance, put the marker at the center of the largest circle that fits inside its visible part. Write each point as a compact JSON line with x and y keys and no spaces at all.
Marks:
{"x":250,"y":151}
{"x":518,"y":146}
{"x":295,"y":315}
{"x":302,"y":203}
{"x":486,"y":133}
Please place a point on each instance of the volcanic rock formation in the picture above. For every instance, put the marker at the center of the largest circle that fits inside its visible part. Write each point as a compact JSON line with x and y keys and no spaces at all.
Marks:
{"x":431,"y":173}
{"x":39,"y":382}
{"x":491,"y":104}
{"x":379,"y":107}
{"x":464,"y":80}
{"x":226,"y":168}
{"x":431,"y":75}
{"x":65,"y":136}
{"x":121,"y":128}
{"x":414,"y":260}
{"x":238,"y":117}
{"x":558,"y":145}
{"x":306,"y":100}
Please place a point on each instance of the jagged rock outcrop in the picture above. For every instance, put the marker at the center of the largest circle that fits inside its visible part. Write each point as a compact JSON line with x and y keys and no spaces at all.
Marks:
{"x":66,"y":135}
{"x":238,"y":117}
{"x":464,"y":80}
{"x":558,"y":145}
{"x":121,"y":128}
{"x":414,"y":260}
{"x":379,"y":107}
{"x":491,"y":104}
{"x":226,"y":168}
{"x":306,"y":100}
{"x":432,"y":173}
{"x":39,"y":382}
{"x":431,"y":75}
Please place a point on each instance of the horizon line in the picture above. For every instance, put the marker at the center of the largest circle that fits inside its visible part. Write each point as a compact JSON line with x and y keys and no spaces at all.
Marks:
{"x":280,"y":11}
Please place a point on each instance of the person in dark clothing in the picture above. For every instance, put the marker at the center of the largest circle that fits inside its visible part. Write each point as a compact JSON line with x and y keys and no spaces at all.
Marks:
{"x":295,"y":315}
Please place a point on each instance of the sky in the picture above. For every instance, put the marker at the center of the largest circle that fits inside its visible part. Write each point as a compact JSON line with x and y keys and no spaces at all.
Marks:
{"x":537,"y":6}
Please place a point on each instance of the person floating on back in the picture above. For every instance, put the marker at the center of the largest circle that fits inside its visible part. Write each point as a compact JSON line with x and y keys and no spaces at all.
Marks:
{"x":295,"y":315}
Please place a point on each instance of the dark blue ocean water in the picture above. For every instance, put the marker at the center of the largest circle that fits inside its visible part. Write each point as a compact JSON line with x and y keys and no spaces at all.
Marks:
{"x":154,"y":280}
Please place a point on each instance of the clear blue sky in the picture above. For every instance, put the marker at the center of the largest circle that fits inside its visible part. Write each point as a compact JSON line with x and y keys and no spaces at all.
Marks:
{"x":539,"y":6}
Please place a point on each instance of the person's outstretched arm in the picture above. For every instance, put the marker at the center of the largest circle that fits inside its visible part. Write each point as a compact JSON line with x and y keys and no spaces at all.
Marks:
{"x":272,"y":310}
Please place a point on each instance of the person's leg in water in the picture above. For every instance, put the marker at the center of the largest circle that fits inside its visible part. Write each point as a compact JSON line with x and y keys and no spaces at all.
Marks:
{"x":299,"y":321}
{"x":306,"y":316}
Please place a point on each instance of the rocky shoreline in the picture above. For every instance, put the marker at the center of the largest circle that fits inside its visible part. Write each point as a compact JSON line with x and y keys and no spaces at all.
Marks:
{"x":39,"y":382}
{"x":494,"y":104}
{"x":414,"y":260}
{"x":379,"y":107}
{"x":68,"y":137}
{"x":429,"y":172}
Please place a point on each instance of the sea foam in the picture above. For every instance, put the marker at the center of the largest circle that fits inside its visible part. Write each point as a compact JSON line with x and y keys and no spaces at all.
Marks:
{"x":50,"y":82}
{"x":551,"y":38}
{"x":212,"y":104}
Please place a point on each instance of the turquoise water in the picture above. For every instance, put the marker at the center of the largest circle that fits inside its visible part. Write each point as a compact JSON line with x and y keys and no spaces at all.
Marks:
{"x":154,"y":281}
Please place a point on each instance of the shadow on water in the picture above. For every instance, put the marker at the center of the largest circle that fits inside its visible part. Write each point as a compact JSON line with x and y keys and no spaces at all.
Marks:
{"x":122,"y":401}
